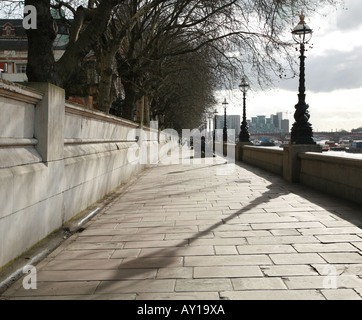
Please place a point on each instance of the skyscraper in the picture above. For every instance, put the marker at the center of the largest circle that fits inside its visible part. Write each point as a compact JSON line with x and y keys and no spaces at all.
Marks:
{"x":274,"y":124}
{"x":233,"y":122}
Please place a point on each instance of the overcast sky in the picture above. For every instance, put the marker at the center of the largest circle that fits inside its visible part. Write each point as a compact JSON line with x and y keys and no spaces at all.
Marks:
{"x":333,"y":75}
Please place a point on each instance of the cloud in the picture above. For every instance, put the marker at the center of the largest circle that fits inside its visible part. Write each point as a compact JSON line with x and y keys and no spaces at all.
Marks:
{"x":340,"y":109}
{"x":334,"y":70}
{"x":335,"y":61}
{"x":350,"y":15}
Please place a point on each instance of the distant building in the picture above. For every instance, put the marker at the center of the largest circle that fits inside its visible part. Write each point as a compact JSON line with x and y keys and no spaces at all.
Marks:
{"x":285,"y":125}
{"x":279,"y":117}
{"x":358,"y":130}
{"x":14,"y":48}
{"x":263,"y":125}
{"x":261,"y":120}
{"x":233,"y":122}
{"x":14,"y":57}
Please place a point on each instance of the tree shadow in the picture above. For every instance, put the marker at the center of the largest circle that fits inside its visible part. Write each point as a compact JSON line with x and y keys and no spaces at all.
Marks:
{"x":142,"y":266}
{"x":199,"y":168}
{"x":277,"y":188}
{"x":147,"y":262}
{"x":326,"y":202}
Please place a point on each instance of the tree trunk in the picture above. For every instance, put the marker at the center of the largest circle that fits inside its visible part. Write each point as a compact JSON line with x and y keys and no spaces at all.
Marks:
{"x":69,"y":63}
{"x":105,"y":97}
{"x":146,"y":110}
{"x":129,"y":101}
{"x":41,"y":63}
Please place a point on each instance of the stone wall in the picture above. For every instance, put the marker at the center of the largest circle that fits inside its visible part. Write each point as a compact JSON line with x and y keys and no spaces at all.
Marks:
{"x":339,"y":176}
{"x":57,"y":159}
{"x":267,"y":158}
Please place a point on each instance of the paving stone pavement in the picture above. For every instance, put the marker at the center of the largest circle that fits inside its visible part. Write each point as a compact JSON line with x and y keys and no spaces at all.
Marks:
{"x":209,"y":231}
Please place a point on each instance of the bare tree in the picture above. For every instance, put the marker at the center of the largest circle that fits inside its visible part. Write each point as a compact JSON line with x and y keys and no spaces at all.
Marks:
{"x":241,"y":36}
{"x":137,"y":38}
{"x":183,"y":90}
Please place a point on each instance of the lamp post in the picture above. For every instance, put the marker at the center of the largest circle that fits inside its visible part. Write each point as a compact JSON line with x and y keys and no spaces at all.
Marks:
{"x":215,"y":127}
{"x":225,"y":130}
{"x":215,"y":115}
{"x":244,"y":135}
{"x":302,"y":132}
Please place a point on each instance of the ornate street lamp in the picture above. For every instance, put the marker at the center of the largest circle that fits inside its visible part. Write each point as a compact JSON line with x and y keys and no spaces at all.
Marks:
{"x":244,"y":135}
{"x":215,"y":115}
{"x":302,"y":132}
{"x":225,"y":130}
{"x":215,"y":127}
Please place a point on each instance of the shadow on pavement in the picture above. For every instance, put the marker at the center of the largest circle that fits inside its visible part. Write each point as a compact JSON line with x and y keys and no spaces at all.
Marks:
{"x":278,"y":188}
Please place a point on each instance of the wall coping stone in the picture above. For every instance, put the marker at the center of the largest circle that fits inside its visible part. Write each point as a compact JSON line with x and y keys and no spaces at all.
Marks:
{"x":18,"y":92}
{"x":332,"y":159}
{"x":263,"y":149}
{"x":72,"y":108}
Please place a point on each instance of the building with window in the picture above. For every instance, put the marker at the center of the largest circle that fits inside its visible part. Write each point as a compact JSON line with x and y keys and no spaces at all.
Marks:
{"x":14,"y":48}
{"x":233,"y":122}
{"x":14,"y":57}
{"x":263,"y":125}
{"x":285,"y":125}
